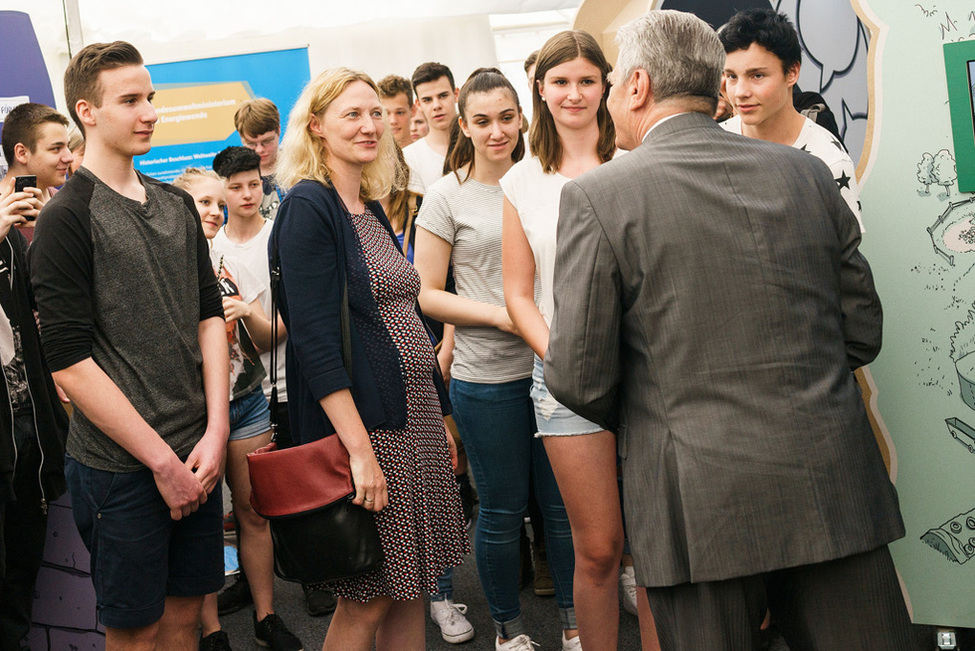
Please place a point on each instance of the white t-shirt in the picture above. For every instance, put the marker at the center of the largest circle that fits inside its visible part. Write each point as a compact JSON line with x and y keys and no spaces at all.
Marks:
{"x":468,"y":217}
{"x":237,"y":281}
{"x":535,"y":195}
{"x":253,"y":255}
{"x":823,"y":145}
{"x":426,"y":165}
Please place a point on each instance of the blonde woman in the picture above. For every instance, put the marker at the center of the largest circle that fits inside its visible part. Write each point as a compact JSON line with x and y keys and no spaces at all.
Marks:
{"x":387,"y":405}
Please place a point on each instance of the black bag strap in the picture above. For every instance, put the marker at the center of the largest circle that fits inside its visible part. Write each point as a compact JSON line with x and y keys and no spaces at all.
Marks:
{"x":344,"y":323}
{"x":409,"y":225}
{"x":275,"y":271}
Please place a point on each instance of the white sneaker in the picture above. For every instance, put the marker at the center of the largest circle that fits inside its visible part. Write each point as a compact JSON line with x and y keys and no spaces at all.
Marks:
{"x":449,"y":616}
{"x":574,"y":644}
{"x":628,"y":589}
{"x":520,"y":643}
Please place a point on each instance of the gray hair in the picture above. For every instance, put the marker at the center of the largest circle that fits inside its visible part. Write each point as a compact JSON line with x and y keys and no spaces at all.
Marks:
{"x":681,"y":54}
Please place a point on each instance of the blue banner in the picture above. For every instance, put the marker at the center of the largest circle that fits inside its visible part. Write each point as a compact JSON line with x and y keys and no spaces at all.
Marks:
{"x":196,"y":101}
{"x":23,"y":75}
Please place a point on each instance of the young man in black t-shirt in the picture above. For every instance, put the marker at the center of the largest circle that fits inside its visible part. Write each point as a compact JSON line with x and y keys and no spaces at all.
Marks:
{"x":132,"y":326}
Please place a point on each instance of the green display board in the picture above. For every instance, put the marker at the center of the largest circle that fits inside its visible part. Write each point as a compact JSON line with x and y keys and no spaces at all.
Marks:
{"x":920,"y":242}
{"x":960,"y":74}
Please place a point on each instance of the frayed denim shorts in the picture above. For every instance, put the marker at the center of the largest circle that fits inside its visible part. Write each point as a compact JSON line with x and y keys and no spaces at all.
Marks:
{"x":249,"y":415}
{"x":552,"y":417}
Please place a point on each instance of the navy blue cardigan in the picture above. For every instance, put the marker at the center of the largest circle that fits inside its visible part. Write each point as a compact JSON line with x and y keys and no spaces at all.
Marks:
{"x":319,"y":252}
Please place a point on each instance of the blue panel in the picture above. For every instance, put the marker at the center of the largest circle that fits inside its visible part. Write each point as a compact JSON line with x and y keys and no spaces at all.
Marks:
{"x":279,"y":76}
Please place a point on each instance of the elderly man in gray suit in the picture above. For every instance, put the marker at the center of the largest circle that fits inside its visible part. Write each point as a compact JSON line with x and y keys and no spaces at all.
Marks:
{"x":710,"y":308}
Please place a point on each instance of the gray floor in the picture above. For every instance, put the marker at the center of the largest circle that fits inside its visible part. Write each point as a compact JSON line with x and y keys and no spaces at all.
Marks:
{"x":539,"y":612}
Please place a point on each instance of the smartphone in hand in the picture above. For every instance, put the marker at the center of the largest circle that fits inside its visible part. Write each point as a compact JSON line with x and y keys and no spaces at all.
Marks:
{"x":21,"y":183}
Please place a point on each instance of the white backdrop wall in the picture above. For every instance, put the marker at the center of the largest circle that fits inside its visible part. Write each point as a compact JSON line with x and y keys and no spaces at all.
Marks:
{"x":463,"y":43}
{"x":380,"y":37}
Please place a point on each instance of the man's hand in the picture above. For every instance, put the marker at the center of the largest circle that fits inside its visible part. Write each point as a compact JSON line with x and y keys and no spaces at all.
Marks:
{"x":207,"y":459}
{"x":181,"y":489}
{"x":19,"y":208}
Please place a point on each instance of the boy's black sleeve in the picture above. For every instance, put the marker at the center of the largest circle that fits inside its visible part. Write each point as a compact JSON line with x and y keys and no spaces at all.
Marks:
{"x":60,"y":261}
{"x":211,"y":304}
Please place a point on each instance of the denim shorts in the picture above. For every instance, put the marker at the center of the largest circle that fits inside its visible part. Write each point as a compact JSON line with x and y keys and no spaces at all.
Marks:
{"x":139,"y":555}
{"x":249,"y":415}
{"x":551,"y":417}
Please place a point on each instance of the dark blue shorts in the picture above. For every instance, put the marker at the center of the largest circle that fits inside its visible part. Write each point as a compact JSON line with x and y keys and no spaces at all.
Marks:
{"x":139,"y":555}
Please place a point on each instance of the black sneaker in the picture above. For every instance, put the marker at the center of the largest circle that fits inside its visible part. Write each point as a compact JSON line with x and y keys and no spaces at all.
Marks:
{"x":235,"y":596}
{"x":216,"y":641}
{"x":271,"y":632}
{"x":318,"y":600}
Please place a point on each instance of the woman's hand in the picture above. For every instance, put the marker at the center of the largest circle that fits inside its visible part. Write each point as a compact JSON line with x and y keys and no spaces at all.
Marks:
{"x":518,"y":272}
{"x":452,"y":446}
{"x":370,"y":483}
{"x":503,"y":321}
{"x":432,"y":257}
{"x":234,"y":309}
{"x":445,"y":354}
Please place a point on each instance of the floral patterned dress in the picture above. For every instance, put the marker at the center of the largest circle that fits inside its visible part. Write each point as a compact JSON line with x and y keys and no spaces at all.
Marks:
{"x":422,"y":528}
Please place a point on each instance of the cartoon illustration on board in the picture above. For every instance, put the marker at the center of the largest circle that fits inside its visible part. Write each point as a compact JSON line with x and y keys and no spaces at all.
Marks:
{"x":961,"y":432}
{"x":834,"y":62}
{"x":951,"y":276}
{"x":952,"y":236}
{"x":955,"y":538}
{"x":962,"y":353}
{"x":953,"y":231}
{"x":937,"y":169}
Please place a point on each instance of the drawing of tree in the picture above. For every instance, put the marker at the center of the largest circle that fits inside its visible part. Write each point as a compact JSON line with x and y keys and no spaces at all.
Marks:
{"x":925,"y":173}
{"x":943,"y":170}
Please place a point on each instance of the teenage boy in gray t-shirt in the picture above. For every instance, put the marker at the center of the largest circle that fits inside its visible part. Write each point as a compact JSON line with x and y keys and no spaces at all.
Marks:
{"x":132,"y":326}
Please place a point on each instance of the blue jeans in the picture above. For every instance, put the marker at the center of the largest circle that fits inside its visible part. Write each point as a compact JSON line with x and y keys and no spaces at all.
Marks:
{"x":445,"y":586}
{"x":497,"y":425}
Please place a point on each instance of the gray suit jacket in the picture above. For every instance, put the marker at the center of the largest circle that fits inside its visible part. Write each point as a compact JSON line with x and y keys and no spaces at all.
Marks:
{"x":710,"y":305}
